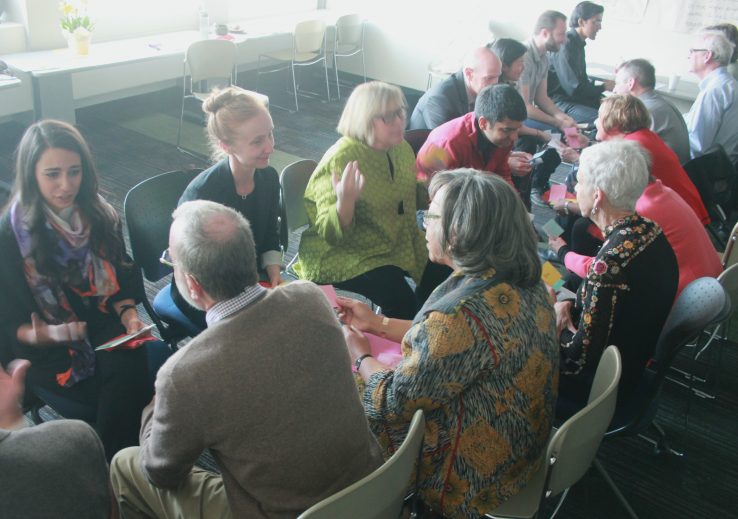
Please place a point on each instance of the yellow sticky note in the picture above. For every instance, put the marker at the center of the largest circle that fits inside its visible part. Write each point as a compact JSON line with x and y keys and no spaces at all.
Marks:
{"x":551,"y":276}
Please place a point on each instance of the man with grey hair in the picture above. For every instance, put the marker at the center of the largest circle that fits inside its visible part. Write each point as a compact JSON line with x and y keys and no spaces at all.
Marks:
{"x":481,"y":139}
{"x":713,"y":118}
{"x":267,"y":387}
{"x":455,"y":96}
{"x":638,"y":77}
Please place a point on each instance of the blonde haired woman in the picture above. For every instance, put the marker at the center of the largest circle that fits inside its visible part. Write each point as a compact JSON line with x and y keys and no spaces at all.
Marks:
{"x":240,"y":131}
{"x":361,"y":203}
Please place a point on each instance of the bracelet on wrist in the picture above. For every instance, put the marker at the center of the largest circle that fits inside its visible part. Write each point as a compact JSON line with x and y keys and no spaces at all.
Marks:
{"x":358,"y":362}
{"x":123,"y":309}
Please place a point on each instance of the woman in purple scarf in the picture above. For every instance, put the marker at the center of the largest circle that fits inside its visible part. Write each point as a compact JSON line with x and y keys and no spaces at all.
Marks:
{"x":68,"y":286}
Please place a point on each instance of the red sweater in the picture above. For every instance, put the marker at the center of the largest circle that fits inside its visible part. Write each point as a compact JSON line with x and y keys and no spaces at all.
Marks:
{"x":666,"y":167}
{"x":458,"y":143}
{"x":694,"y":252}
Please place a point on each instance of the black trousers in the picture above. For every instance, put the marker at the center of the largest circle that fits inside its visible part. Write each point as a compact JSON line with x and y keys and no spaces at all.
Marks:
{"x":387,"y":287}
{"x":117,"y":393}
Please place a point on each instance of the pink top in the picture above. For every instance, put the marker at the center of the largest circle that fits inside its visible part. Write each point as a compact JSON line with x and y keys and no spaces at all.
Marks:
{"x":666,"y":167}
{"x":695,"y":254}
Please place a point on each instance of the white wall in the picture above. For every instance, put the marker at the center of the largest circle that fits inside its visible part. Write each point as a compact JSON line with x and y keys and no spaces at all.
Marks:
{"x":404,"y":36}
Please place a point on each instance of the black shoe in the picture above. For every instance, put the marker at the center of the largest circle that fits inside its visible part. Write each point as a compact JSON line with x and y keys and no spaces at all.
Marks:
{"x":535,"y":197}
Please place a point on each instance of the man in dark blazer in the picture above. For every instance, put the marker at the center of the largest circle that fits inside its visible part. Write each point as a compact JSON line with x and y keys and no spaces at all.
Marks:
{"x":455,"y":96}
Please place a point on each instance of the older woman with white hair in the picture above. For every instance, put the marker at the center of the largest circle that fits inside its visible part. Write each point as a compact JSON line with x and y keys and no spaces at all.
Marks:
{"x":630,"y":285}
{"x":480,"y":357}
{"x":361,"y":204}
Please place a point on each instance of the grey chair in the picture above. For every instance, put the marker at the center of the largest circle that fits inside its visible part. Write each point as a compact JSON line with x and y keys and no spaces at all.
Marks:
{"x":207,"y":60}
{"x":702,"y":303}
{"x":572,"y":447}
{"x":730,"y":254}
{"x":379,"y":495}
{"x":308,"y":48}
{"x":348,"y":41}
{"x":293,"y":180}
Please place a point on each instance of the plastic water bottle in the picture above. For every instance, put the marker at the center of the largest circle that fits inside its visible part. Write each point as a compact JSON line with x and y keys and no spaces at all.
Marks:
{"x":204,"y":23}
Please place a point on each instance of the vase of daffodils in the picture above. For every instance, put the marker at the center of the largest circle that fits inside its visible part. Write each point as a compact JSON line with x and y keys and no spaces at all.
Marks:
{"x":76,"y":25}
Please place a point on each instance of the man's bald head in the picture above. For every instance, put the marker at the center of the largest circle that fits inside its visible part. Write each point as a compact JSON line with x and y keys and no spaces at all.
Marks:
{"x":482,"y":68}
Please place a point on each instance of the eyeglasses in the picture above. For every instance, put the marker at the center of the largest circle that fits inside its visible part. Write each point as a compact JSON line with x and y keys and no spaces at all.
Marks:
{"x":692,"y":51}
{"x":166,"y":259}
{"x":400,"y":113}
{"x":426,"y":217}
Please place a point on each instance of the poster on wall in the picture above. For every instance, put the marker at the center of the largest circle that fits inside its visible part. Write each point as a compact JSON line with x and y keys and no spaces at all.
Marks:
{"x":689,"y":16}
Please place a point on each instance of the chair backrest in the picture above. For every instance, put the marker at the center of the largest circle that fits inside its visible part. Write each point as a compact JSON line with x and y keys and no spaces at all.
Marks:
{"x":208,"y":59}
{"x":574,"y":445}
{"x":730,"y":255}
{"x":309,"y":36}
{"x":713,"y":175}
{"x":294,"y":179}
{"x":148,"y":208}
{"x":380,"y":494}
{"x":702,"y":302}
{"x":416,"y":138}
{"x":350,"y":30}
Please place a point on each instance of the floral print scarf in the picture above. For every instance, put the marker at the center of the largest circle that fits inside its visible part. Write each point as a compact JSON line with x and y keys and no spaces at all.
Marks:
{"x":83,"y":271}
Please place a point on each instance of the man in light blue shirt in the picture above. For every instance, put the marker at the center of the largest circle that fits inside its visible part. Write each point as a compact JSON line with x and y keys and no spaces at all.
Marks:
{"x":713,"y":118}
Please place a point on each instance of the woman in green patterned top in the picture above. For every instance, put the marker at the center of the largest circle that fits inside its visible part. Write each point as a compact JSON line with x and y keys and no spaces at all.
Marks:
{"x":363,"y":235}
{"x":480,"y":358}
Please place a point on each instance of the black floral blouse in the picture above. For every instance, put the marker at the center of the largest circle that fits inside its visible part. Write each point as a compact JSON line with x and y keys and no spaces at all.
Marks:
{"x":624,"y":300}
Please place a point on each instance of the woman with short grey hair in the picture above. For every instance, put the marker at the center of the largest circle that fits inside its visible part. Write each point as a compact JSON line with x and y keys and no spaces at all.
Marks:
{"x":631,"y":284}
{"x":480,"y":357}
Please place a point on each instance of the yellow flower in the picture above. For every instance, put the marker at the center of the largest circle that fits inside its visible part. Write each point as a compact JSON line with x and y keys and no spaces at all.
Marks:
{"x":455,"y":493}
{"x":448,"y":335}
{"x":483,"y":449}
{"x":66,"y":8}
{"x":504,"y":301}
{"x":485,"y":501}
{"x":628,"y":244}
{"x":544,"y":319}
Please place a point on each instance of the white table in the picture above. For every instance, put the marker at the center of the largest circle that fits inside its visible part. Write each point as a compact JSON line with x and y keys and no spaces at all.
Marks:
{"x":52,"y":71}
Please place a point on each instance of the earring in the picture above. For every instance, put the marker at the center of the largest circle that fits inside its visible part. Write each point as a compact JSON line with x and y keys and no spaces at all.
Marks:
{"x":593,"y":211}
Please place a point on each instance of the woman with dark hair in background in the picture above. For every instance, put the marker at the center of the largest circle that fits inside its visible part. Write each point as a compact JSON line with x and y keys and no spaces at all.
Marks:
{"x":69,"y":286}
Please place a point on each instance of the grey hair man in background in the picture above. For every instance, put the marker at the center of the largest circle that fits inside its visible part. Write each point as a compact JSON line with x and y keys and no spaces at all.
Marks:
{"x":267,"y":387}
{"x":713,"y":118}
{"x":638,"y":77}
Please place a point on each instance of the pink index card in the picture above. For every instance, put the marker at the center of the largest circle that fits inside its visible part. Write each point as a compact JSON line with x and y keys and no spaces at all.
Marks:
{"x":330,"y":293}
{"x":384,"y":350}
{"x":573,"y":138}
{"x":558,"y":192}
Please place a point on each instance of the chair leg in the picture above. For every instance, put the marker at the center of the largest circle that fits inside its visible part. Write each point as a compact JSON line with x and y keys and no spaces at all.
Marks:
{"x":363,"y":65}
{"x":327,"y":88}
{"x":561,"y":502}
{"x":294,"y":86}
{"x":181,"y":113}
{"x":614,"y":488}
{"x":335,"y":69}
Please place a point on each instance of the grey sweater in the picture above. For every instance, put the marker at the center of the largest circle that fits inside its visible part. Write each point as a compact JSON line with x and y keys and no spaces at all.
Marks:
{"x":56,"y":469}
{"x":270,"y":391}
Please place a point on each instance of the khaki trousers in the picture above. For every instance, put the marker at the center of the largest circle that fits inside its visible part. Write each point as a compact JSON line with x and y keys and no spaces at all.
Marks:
{"x":200,"y":495}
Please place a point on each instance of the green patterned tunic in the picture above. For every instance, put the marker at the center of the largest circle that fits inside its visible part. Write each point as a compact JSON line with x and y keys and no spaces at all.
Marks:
{"x":482,"y":361}
{"x":384,"y":229}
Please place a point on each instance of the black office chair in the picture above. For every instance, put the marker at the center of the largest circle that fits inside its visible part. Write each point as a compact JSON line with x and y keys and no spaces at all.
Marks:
{"x":714,"y":176}
{"x":702,"y":303}
{"x":148,"y":207}
{"x":416,"y":139}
